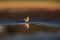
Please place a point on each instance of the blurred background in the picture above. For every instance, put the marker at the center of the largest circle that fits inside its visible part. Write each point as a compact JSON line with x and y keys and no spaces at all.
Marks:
{"x":43,"y":19}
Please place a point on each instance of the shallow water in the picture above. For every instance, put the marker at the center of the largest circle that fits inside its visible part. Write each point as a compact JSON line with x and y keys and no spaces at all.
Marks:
{"x":29,"y":31}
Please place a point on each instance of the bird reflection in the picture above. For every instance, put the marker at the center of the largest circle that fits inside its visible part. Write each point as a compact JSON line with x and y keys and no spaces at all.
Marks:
{"x":26,"y":25}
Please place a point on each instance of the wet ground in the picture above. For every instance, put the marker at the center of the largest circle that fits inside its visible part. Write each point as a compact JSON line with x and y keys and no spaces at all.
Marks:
{"x":29,"y":32}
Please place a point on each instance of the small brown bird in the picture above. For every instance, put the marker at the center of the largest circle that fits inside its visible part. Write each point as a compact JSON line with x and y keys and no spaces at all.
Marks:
{"x":26,"y":19}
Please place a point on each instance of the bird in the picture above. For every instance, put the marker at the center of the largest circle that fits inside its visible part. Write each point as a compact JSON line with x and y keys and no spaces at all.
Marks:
{"x":26,"y":19}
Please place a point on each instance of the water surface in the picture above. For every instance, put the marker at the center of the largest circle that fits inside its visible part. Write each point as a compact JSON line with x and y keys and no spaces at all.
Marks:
{"x":30,"y":31}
